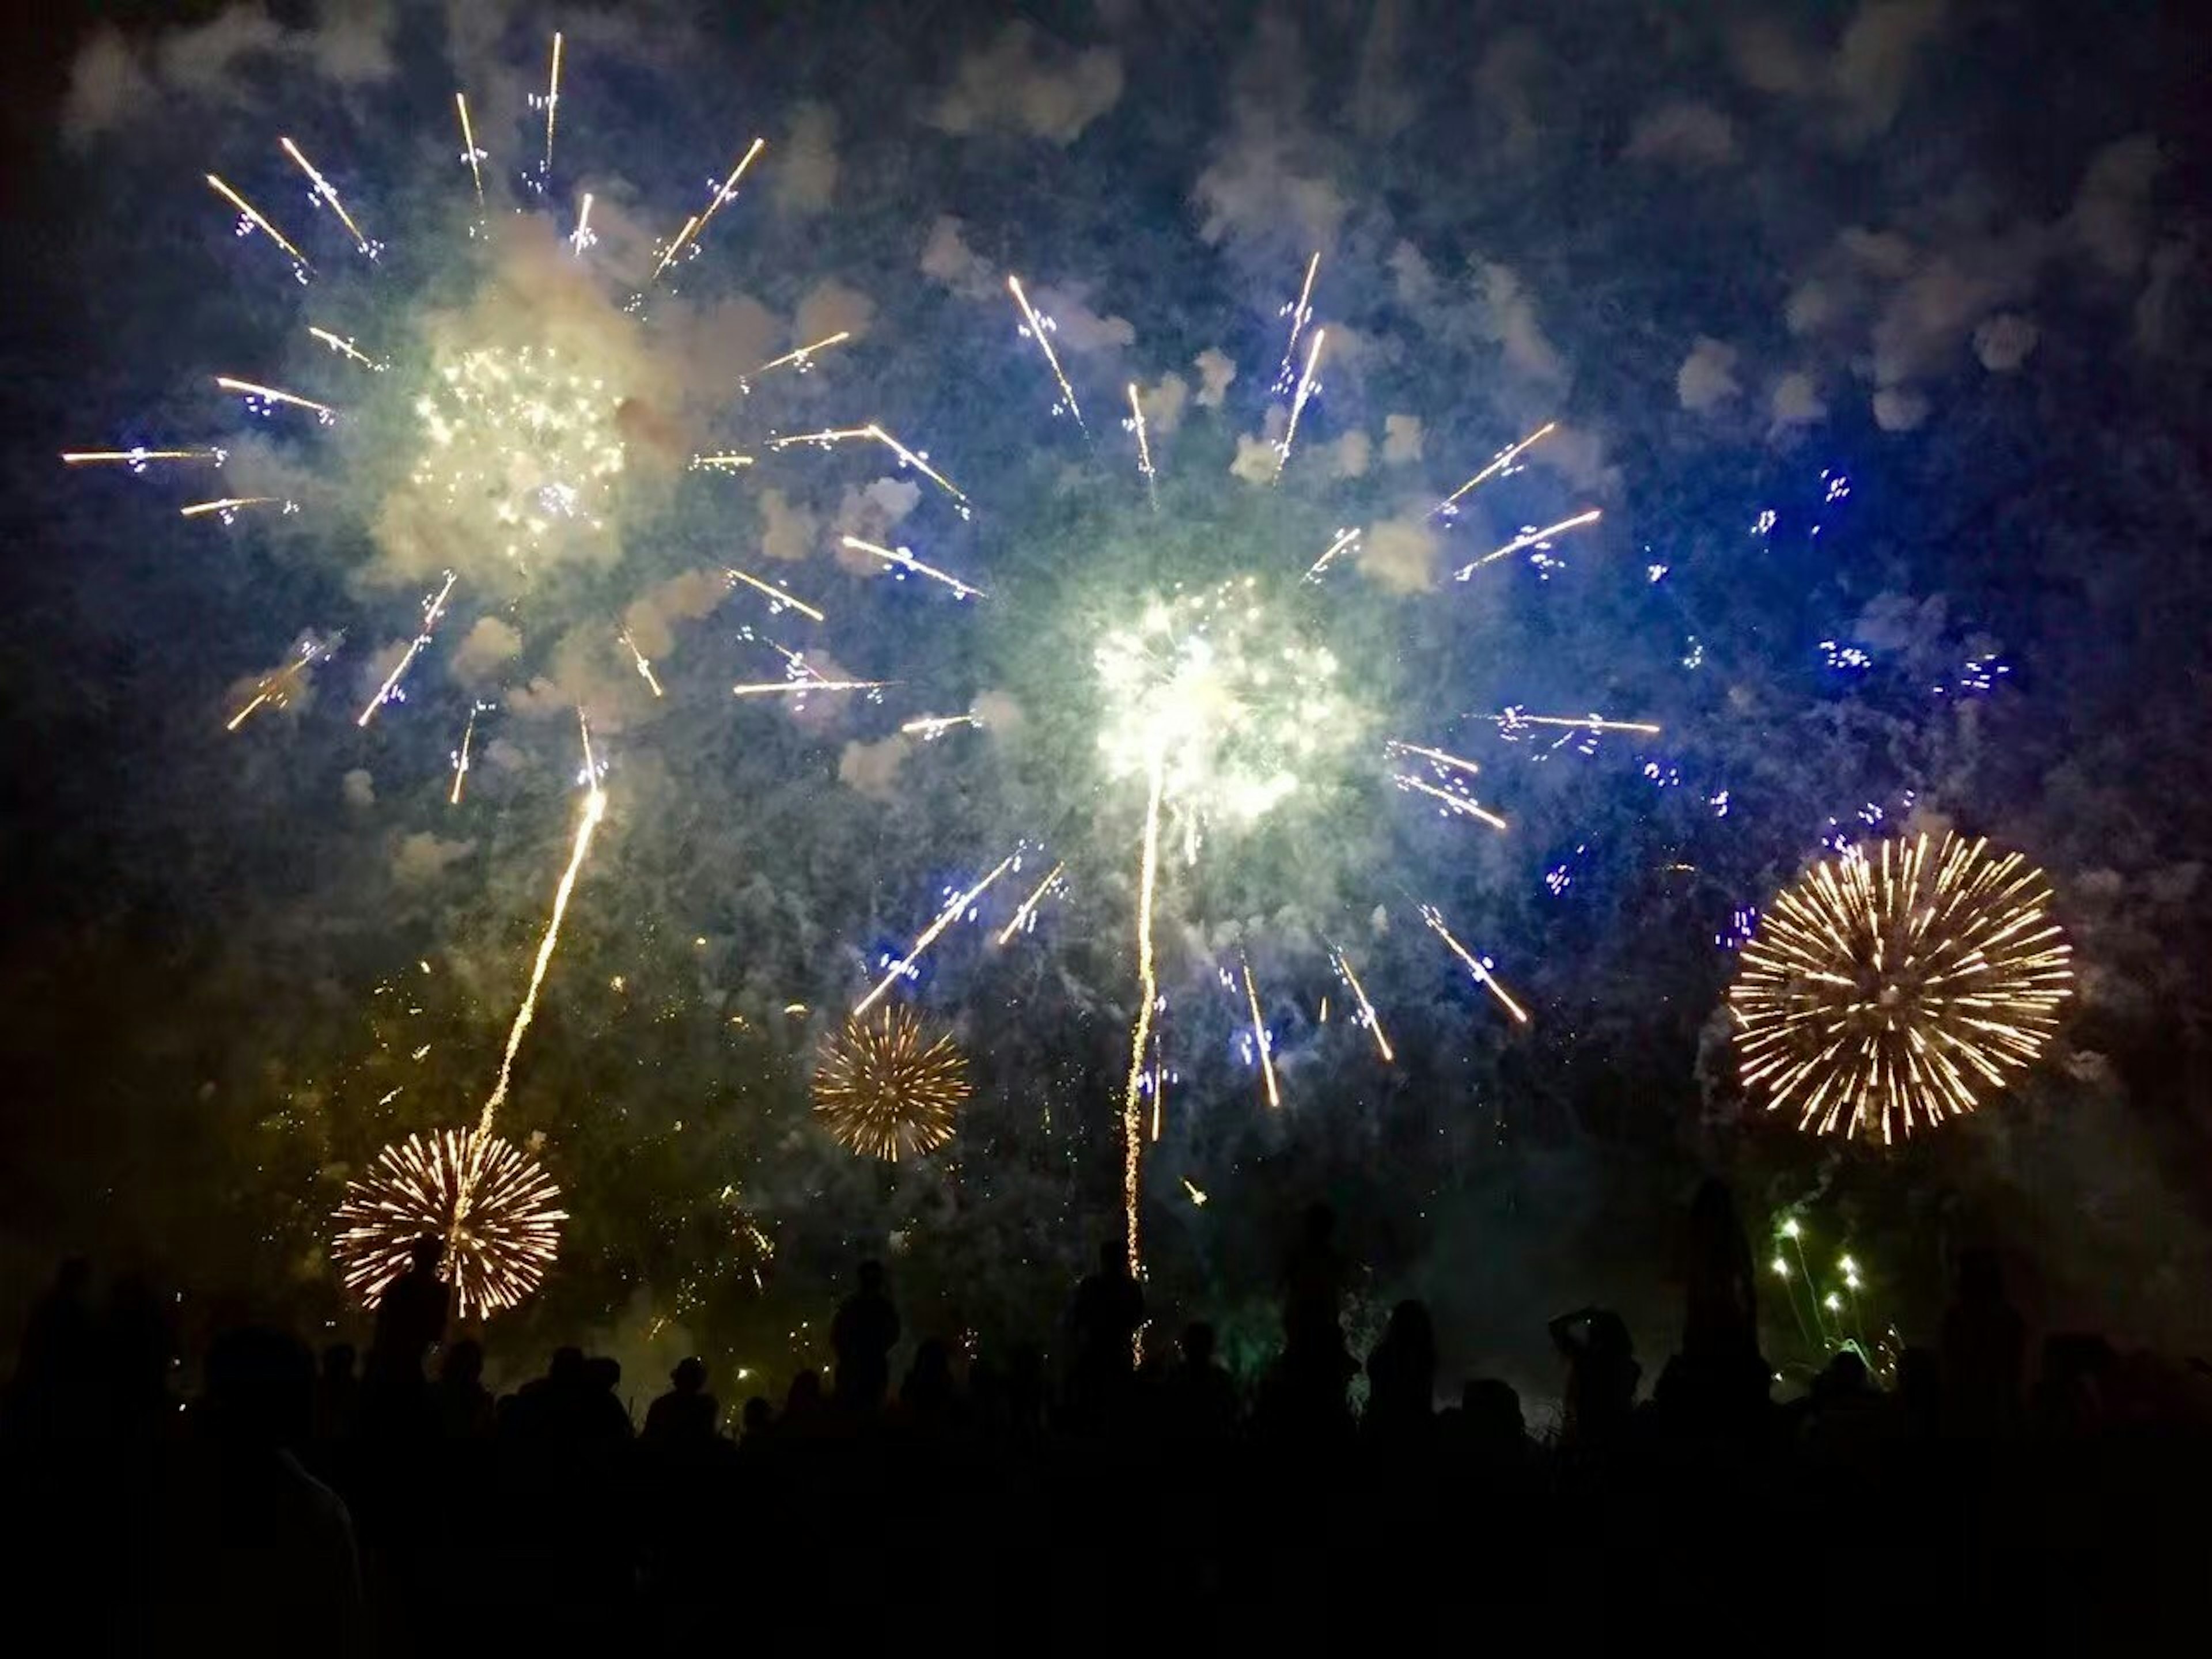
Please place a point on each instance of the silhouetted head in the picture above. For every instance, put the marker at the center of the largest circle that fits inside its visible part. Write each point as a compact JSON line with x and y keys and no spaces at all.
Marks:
{"x":1846,"y":1374}
{"x":1320,"y":1223}
{"x":464,"y":1363}
{"x":1492,"y":1409}
{"x":1410,"y":1327}
{"x":689,"y":1375}
{"x":1714,"y":1207}
{"x":805,"y":1392}
{"x":567,"y":1365}
{"x":426,"y":1253}
{"x":1919,"y":1377}
{"x":871,"y":1277}
{"x":1198,"y":1344}
{"x":338,"y":1361}
{"x":1981,"y":1279}
{"x":602,"y":1373}
{"x":1110,"y":1257}
{"x":260,"y":1387}
{"x":1608,"y":1335}
{"x":758,"y":1414}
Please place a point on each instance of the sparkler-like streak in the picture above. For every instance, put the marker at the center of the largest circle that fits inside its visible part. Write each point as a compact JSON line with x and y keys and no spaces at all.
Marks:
{"x":644,"y":668}
{"x":251,"y":216}
{"x":1896,"y":985}
{"x":136,"y":459}
{"x":913,"y":458}
{"x":461,"y":755}
{"x":582,"y":237}
{"x":344,"y":348}
{"x":800,"y":687}
{"x":946,"y":918}
{"x":595,"y":808}
{"x":1143,"y":447}
{"x":1140,"y":1033}
{"x":728,"y":461}
{"x":1500,"y":463}
{"x":275,"y":691}
{"x":1399,"y":746}
{"x":1465,"y":805}
{"x":433,"y":608}
{"x":696,"y":226}
{"x":777,"y":598}
{"x":1366,"y":1008}
{"x":228,"y":507}
{"x":902,"y":559}
{"x":470,"y":152}
{"x":552,"y":107}
{"x":1038,"y":329}
{"x":1473,"y":963}
{"x":325,"y":192}
{"x":1344,"y":542}
{"x":930,"y":728}
{"x":260,"y":397}
{"x":1298,"y":403}
{"x":1030,"y":904}
{"x":799,"y":357}
{"x":1512,"y":720}
{"x":1259,"y":1037}
{"x":1300,"y":314}
{"x":1527,"y":538}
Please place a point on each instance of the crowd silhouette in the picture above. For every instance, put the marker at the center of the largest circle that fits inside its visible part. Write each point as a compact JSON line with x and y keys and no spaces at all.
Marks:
{"x":1130,"y":1492}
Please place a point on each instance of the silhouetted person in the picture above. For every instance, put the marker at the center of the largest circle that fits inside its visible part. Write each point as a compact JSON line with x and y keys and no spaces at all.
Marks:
{"x":2073,"y":1393}
{"x":465,"y":1410}
{"x":337,"y":1395}
{"x":1919,"y":1393}
{"x":1025,"y":1390}
{"x":927,"y":1395}
{"x":1304,"y":1394}
{"x":760,"y":1416}
{"x":1601,"y":1378}
{"x":685,"y":1415}
{"x":52,"y":1393}
{"x":411,"y":1317}
{"x":1108,"y":1308}
{"x":1718,"y":1382}
{"x":1490,"y":1422}
{"x":1985,"y":1347}
{"x":603,"y":1418}
{"x":135,"y":1349}
{"x":1401,"y":1376}
{"x":803,"y":1405}
{"x":862,"y":1336}
{"x":1201,"y":1399}
{"x":547,"y":1409}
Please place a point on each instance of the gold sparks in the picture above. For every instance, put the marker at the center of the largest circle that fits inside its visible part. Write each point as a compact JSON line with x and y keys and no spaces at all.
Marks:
{"x":1040,"y":329}
{"x":1259,"y":1037}
{"x":1893,"y":986}
{"x":490,"y":1206}
{"x":1300,"y":314}
{"x":250,"y":217}
{"x":1306,"y":385}
{"x":136,"y":459}
{"x":800,"y":688}
{"x":884,"y":1092}
{"x":433,"y":608}
{"x":1197,"y":1197}
{"x":1366,"y":1008}
{"x":1512,"y":720}
{"x":696,"y":227}
{"x":900,"y":558}
{"x":552,"y":106}
{"x":1464,"y":806}
{"x":326,"y":193}
{"x":344,"y":348}
{"x":1473,"y":963}
{"x":275,"y":691}
{"x":1500,"y":463}
{"x":470,"y":152}
{"x":582,"y":236}
{"x":461,"y":755}
{"x":227,"y":507}
{"x":1148,"y":995}
{"x":873,"y":433}
{"x":800,"y":358}
{"x":727,"y":460}
{"x":1399,"y":746}
{"x":1029,"y":905}
{"x":778,"y":600}
{"x":1344,"y":542}
{"x":260,"y":399}
{"x":930,"y":728}
{"x":1143,"y":447}
{"x":1527,"y":538}
{"x":644,"y":668}
{"x":946,"y":918}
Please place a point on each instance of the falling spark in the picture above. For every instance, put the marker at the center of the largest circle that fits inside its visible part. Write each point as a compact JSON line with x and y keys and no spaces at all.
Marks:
{"x":582,"y":238}
{"x":902,"y":558}
{"x":250,"y":215}
{"x":800,"y":357}
{"x":136,"y":459}
{"x":489,"y":1204}
{"x":727,"y":460}
{"x":919,"y":462}
{"x":1525,"y":539}
{"x":696,"y":227}
{"x":1366,"y":1008}
{"x":778,"y":599}
{"x":470,"y":152}
{"x":800,"y":687}
{"x":946,"y":918}
{"x":644,"y":668}
{"x":461,"y":755}
{"x":552,"y":106}
{"x":929,"y":727}
{"x":1344,"y":542}
{"x":1502,"y":462}
{"x":1396,"y":746}
{"x":1475,"y":964}
{"x":254,"y":393}
{"x":1148,"y":994}
{"x":1300,"y":314}
{"x":325,"y":192}
{"x":1465,"y":805}
{"x":1159,"y":1097}
{"x":1260,"y":1037}
{"x":1030,"y":904}
{"x":228,"y":507}
{"x":1512,"y":720}
{"x":344,"y":348}
{"x":433,"y":608}
{"x":595,"y":808}
{"x":1196,"y":1196}
{"x":1298,"y":403}
{"x":1038,"y":329}
{"x":273,"y":691}
{"x":1143,"y":447}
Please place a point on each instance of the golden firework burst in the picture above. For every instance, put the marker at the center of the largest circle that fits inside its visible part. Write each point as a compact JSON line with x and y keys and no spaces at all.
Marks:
{"x":490,"y":1202}
{"x":1896,"y":984}
{"x":884,"y":1091}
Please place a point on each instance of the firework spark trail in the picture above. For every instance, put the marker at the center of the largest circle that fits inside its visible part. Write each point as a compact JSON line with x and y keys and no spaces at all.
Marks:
{"x":273,"y":690}
{"x":461,"y":755}
{"x":1038,"y":328}
{"x":778,"y":599}
{"x":344,"y":348}
{"x":882,"y":1092}
{"x":727,"y":460}
{"x":1298,"y":403}
{"x":946,"y":918}
{"x":582,"y":236}
{"x":251,"y":216}
{"x":1434,"y":917}
{"x":800,"y":357}
{"x":1030,"y":904}
{"x":644,"y":668}
{"x":470,"y":152}
{"x":1466,"y":805}
{"x":1344,"y":542}
{"x":268,"y":396}
{"x":1525,"y":539}
{"x":696,"y":226}
{"x":1148,"y":994}
{"x":228,"y":507}
{"x":1366,"y":1008}
{"x":490,"y":1204}
{"x":433,"y":608}
{"x":1502,"y":462}
{"x":1399,"y":746}
{"x":1300,"y":314}
{"x":1144,"y":448}
{"x":1512,"y":720}
{"x":325,"y":192}
{"x":929,"y":727}
{"x":902,"y":559}
{"x":801,"y":688}
{"x":913,"y":458}
{"x":552,"y":107}
{"x":595,"y":808}
{"x":1260,"y":1036}
{"x":136,"y":459}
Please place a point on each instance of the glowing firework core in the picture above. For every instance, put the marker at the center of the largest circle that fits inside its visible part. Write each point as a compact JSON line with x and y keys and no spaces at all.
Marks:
{"x":491,"y":1204}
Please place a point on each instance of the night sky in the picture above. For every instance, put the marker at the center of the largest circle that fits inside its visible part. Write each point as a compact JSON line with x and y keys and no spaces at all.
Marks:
{"x":1875,"y":332}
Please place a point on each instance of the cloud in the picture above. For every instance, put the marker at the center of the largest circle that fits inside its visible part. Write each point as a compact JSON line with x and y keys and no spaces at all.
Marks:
{"x":830,"y":307}
{"x":651,"y":617}
{"x":357,"y":788}
{"x":1401,"y":556}
{"x":998,"y":711}
{"x":1899,"y":409}
{"x":1796,"y":401}
{"x":1267,"y":185}
{"x":484,"y":649}
{"x":873,"y":769}
{"x":1505,"y":96}
{"x":1684,"y":134}
{"x":1509,"y":321}
{"x":1707,"y":379}
{"x":1027,"y":82}
{"x":806,"y":175}
{"x":2109,"y":220}
{"x":1349,"y":456}
{"x":420,"y":858}
{"x":1163,"y":404}
{"x":947,"y":260}
{"x":1402,"y":439}
{"x":1856,"y":89}
{"x":1077,"y":330}
{"x":2003,"y":342}
{"x":1255,"y":460}
{"x":788,"y":531}
{"x":1413,"y":278}
{"x":1381,"y":107}
{"x":1215,"y":372}
{"x":872,"y":511}
{"x":2173,"y":272}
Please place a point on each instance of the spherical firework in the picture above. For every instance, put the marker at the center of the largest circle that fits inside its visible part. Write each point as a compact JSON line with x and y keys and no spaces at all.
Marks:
{"x":490,"y":1203}
{"x":883,"y":1091}
{"x":1896,"y":984}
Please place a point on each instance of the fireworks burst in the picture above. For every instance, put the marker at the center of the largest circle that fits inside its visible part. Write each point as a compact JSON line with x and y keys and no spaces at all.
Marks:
{"x":1894,"y":985}
{"x":884,"y":1092}
{"x":490,"y":1204}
